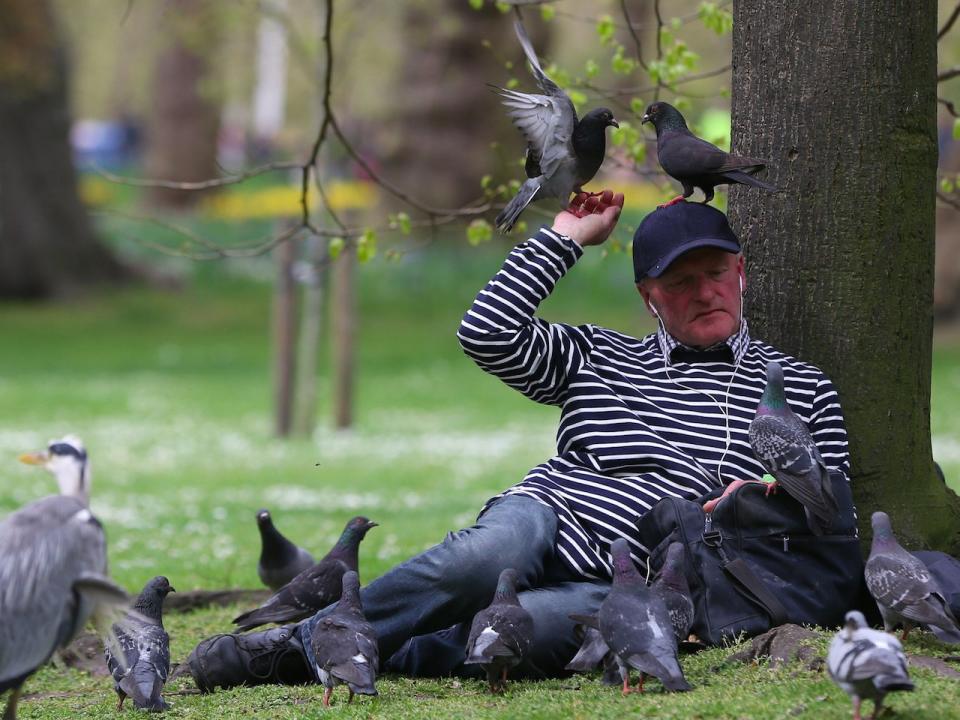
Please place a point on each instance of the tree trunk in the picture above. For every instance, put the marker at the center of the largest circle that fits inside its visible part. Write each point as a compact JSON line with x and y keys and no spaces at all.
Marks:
{"x":47,"y":246}
{"x":185,"y":119}
{"x":841,"y":98}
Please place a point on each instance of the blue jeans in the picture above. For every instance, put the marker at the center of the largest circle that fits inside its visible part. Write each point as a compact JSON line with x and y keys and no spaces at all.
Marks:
{"x":422,"y":609}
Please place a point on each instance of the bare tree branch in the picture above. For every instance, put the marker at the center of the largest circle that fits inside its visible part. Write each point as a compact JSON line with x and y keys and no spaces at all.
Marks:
{"x":656,"y":11}
{"x":951,"y":201}
{"x":614,"y":92}
{"x":948,"y":74}
{"x":951,"y":108}
{"x":202,"y":184}
{"x":633,"y":33}
{"x":949,"y":23}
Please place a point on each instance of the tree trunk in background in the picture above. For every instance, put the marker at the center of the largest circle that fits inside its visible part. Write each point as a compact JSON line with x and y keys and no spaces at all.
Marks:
{"x":47,"y":245}
{"x":445,"y":116}
{"x":841,"y":97}
{"x":185,"y":119}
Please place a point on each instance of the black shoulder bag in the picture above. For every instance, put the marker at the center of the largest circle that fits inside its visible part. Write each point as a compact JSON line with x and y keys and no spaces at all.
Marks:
{"x":753,"y":563}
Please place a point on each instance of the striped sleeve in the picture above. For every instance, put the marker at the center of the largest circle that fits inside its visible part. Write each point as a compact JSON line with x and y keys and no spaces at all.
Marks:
{"x":500,"y":333}
{"x":828,"y":429}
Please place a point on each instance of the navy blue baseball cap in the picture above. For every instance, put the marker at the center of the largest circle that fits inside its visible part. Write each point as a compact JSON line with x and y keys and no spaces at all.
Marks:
{"x":669,"y":232}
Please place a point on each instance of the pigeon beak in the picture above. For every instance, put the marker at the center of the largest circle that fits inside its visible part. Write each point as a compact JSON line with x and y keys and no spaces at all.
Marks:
{"x":172,"y":589}
{"x":614,"y":123}
{"x":371,"y":524}
{"x":37,"y":458}
{"x":645,"y":119}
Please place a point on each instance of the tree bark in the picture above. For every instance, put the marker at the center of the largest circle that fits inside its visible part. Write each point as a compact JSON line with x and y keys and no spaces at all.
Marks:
{"x":841,"y":98}
{"x":185,"y":117}
{"x":47,"y":245}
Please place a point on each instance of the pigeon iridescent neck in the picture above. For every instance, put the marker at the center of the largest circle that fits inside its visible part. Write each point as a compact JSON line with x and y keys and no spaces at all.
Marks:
{"x":507,"y":587}
{"x":774,"y":399}
{"x":883,"y":537}
{"x":624,"y":571}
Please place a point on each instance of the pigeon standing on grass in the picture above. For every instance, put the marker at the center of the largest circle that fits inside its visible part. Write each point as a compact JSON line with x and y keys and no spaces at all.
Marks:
{"x":280,"y":560}
{"x":783,"y":445}
{"x":593,"y":651}
{"x":53,"y":572}
{"x":345,"y":645}
{"x":694,"y":162}
{"x":563,"y":153}
{"x":314,"y":588}
{"x":636,"y":626}
{"x":501,"y":634}
{"x":866,"y":663}
{"x":672,"y":588}
{"x":142,"y":670}
{"x":903,"y":587}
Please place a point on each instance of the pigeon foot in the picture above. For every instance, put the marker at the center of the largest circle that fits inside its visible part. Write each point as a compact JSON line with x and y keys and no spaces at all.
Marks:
{"x":678,"y":198}
{"x":771,"y":488}
{"x":326,"y":697}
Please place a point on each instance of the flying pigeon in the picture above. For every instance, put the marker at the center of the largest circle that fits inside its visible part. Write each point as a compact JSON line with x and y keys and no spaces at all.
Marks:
{"x":345,"y":645}
{"x":636,"y":626}
{"x":593,"y":650}
{"x":314,"y":588}
{"x":142,"y":671}
{"x":501,"y":634}
{"x":672,"y":588}
{"x":563,"y":153}
{"x":866,"y":663}
{"x":53,"y":577}
{"x":280,"y":559}
{"x":784,"y":446}
{"x":903,"y":587}
{"x":694,"y":162}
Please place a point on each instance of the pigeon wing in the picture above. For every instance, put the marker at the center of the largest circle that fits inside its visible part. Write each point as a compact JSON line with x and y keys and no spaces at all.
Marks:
{"x":547,"y":124}
{"x":683,"y":154}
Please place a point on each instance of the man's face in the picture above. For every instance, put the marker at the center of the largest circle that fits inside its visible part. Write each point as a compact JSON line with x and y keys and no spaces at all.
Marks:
{"x":698,"y":297}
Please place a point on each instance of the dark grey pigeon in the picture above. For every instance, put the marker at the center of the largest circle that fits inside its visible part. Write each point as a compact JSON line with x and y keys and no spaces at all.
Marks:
{"x":314,"y":588}
{"x":905,"y":591}
{"x":280,"y":560}
{"x":783,"y":445}
{"x":345,"y":645}
{"x":142,"y":671}
{"x":593,"y":651}
{"x":672,"y":588}
{"x":866,"y":663}
{"x":636,"y":626}
{"x":694,"y":162}
{"x":53,"y":574}
{"x":501,"y":634}
{"x":563,"y":153}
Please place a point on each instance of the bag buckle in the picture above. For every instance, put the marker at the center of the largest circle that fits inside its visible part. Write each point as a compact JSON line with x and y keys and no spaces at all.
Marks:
{"x":713,"y":538}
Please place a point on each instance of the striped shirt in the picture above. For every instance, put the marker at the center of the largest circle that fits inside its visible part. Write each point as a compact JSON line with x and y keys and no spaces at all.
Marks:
{"x":634,"y":426}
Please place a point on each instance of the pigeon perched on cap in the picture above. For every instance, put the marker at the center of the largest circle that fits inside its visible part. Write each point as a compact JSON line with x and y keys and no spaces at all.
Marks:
{"x":345,"y":645}
{"x":314,"y":588}
{"x":636,"y":626}
{"x":563,"y":152}
{"x":903,"y":587}
{"x":280,"y":560}
{"x":694,"y":162}
{"x":142,"y":670}
{"x":783,"y":445}
{"x":501,"y":634}
{"x":53,"y":578}
{"x":866,"y":663}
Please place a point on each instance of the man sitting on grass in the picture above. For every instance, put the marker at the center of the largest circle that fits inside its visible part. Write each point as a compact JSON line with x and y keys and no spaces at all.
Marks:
{"x":640,"y":419}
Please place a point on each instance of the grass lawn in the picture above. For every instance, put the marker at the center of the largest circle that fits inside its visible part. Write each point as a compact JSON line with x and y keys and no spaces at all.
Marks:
{"x":171,"y":392}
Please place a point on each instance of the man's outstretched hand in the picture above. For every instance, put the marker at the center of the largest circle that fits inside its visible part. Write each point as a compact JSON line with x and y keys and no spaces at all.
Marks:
{"x":589,"y":219}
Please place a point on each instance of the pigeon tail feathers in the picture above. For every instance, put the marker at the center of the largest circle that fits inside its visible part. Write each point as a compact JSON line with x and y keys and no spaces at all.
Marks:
{"x":738,"y":176}
{"x":511,"y":213}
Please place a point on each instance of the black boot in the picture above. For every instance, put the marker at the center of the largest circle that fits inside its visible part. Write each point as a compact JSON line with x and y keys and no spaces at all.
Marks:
{"x":272,"y":656}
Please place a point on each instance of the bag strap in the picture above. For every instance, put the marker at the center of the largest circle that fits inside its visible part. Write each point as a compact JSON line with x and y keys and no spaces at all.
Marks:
{"x":741,"y":573}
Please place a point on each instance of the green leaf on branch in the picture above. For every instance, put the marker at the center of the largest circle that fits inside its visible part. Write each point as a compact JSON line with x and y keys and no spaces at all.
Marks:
{"x":548,"y":12}
{"x":621,"y":64}
{"x":591,"y":68}
{"x":367,"y":246}
{"x":403,"y":221}
{"x":947,"y":185}
{"x":476,"y":4}
{"x":335,"y":247}
{"x":956,"y":128}
{"x":637,"y":106}
{"x":605,"y":29}
{"x":503,"y":7}
{"x":479,"y":231}
{"x":715,"y":18}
